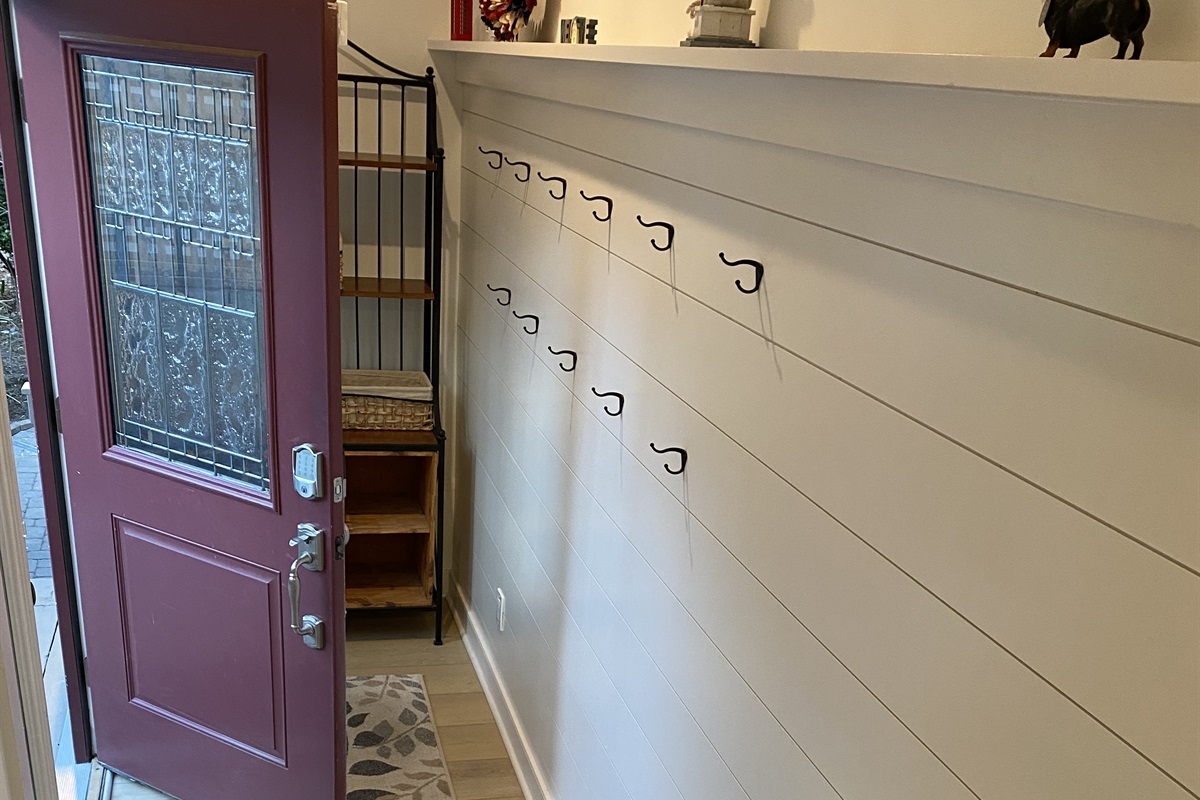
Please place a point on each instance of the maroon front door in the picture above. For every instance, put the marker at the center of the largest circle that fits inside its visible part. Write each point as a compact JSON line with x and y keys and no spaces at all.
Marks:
{"x":184,"y":170}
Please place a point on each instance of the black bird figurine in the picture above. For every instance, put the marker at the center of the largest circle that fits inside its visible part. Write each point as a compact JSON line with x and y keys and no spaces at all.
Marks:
{"x":1074,"y":23}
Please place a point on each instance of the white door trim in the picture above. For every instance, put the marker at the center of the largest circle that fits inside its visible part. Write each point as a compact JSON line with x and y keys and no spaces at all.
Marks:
{"x":26,"y":753}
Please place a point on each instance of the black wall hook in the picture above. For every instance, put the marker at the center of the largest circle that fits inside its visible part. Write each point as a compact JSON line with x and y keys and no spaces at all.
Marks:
{"x":524,"y":164}
{"x":551,"y":179}
{"x":620,"y":402}
{"x":758,"y":273}
{"x":574,"y":358}
{"x":654,"y":242}
{"x":536,"y":322}
{"x":682,"y":458}
{"x":601,"y":197}
{"x":497,"y":153}
{"x":507,"y":294}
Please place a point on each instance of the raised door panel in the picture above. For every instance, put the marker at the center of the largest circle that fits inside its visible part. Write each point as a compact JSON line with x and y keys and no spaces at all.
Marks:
{"x":185,"y":609}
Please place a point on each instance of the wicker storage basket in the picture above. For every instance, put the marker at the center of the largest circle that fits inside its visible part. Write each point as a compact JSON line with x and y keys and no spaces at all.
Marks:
{"x":378,"y":400}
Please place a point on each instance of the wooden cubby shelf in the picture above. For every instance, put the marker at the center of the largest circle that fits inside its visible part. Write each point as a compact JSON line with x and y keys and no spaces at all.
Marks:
{"x":397,"y":519}
{"x":389,"y":572}
{"x":391,"y":510}
{"x":347,"y":158}
{"x":402,"y":288}
{"x":424,"y":440}
{"x":381,"y":589}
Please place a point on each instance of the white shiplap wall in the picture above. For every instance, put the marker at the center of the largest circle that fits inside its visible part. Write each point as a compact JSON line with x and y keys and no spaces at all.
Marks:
{"x":939,"y":532}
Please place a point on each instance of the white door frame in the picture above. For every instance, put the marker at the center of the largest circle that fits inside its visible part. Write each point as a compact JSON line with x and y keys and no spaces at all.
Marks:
{"x":26,"y":752}
{"x":27,"y":763}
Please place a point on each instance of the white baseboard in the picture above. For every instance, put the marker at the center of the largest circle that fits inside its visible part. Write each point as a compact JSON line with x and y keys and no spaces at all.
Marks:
{"x":533,"y":783}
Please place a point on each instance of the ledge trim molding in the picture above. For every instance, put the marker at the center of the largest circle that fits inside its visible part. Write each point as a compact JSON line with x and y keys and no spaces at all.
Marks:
{"x":1175,"y":82}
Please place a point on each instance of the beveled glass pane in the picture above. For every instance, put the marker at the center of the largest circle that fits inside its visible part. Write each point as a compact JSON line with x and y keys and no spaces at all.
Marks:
{"x":174,"y":170}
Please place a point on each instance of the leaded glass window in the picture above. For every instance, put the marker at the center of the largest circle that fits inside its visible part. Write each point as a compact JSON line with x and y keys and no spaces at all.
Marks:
{"x":174,"y":167}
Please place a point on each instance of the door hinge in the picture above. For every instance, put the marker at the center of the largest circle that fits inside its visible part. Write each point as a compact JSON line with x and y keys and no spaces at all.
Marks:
{"x":57,"y":416}
{"x":339,"y":489}
{"x":21,"y":98}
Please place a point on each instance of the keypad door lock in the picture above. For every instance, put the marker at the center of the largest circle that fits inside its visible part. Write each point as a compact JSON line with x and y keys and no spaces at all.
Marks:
{"x":308,"y":472}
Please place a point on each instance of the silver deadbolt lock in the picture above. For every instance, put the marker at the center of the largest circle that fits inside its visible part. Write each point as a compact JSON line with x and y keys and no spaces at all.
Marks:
{"x":308,"y":472}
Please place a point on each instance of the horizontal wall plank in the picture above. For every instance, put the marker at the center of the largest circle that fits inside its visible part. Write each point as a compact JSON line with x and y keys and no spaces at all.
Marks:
{"x":1019,"y":143}
{"x":696,"y":768}
{"x":937,"y":535}
{"x":1141,"y":270}
{"x":900,"y":760}
{"x":1063,"y":785}
{"x":735,"y":720}
{"x":1025,"y":382}
{"x":960,"y":577}
{"x":551,"y":693}
{"x":1033,"y":403}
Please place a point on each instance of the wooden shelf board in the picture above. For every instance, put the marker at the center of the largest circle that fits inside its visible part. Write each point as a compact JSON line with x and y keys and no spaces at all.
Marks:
{"x":386,"y":590}
{"x":381,"y":453}
{"x":401,"y":520}
{"x":1101,"y":78}
{"x":402,"y":288}
{"x":389,"y":439}
{"x":348,"y":158}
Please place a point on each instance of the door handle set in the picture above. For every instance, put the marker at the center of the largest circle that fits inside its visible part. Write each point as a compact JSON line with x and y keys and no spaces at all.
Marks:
{"x":310,"y":542}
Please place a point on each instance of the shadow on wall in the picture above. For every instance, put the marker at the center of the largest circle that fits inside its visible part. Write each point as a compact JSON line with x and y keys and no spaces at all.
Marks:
{"x":544,"y":23}
{"x":462,"y":511}
{"x":782,"y":22}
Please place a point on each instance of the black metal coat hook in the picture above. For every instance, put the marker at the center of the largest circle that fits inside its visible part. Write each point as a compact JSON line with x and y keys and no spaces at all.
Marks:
{"x":758,"y":273}
{"x":536,"y":322}
{"x":507,"y":294}
{"x":524,"y":164}
{"x":682,"y":458}
{"x":493,"y":153}
{"x":620,"y":402}
{"x":654,"y":242}
{"x":574,"y":358}
{"x":552,"y":179}
{"x":607,"y":200}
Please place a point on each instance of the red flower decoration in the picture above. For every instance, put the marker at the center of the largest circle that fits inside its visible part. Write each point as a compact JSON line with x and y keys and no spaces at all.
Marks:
{"x":506,"y":18}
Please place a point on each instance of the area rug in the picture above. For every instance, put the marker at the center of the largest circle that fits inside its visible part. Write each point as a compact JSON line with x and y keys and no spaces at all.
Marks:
{"x":393,"y":750}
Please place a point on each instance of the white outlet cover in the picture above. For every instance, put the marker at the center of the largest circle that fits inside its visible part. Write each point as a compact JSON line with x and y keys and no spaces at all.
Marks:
{"x":500,"y":619}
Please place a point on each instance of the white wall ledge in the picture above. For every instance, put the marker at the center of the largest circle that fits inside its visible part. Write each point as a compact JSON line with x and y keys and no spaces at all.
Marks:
{"x":1175,"y":82}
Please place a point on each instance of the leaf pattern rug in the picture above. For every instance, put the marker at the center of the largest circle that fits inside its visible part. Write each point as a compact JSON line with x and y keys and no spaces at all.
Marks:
{"x":393,"y":751}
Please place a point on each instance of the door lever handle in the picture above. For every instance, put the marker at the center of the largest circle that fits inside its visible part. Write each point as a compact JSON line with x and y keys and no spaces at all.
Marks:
{"x":310,"y":540}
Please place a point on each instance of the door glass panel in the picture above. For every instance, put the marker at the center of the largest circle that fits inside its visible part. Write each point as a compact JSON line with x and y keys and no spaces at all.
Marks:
{"x":174,"y":169}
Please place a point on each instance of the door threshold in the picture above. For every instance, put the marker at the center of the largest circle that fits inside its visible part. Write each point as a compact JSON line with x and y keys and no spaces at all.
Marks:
{"x":107,"y":784}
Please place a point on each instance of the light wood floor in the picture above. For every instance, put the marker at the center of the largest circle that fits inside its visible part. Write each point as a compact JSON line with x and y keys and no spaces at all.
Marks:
{"x":396,"y":645}
{"x":403,"y":644}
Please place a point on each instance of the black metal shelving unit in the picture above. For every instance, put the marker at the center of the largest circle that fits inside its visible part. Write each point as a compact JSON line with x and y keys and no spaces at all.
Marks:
{"x":413,"y":583}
